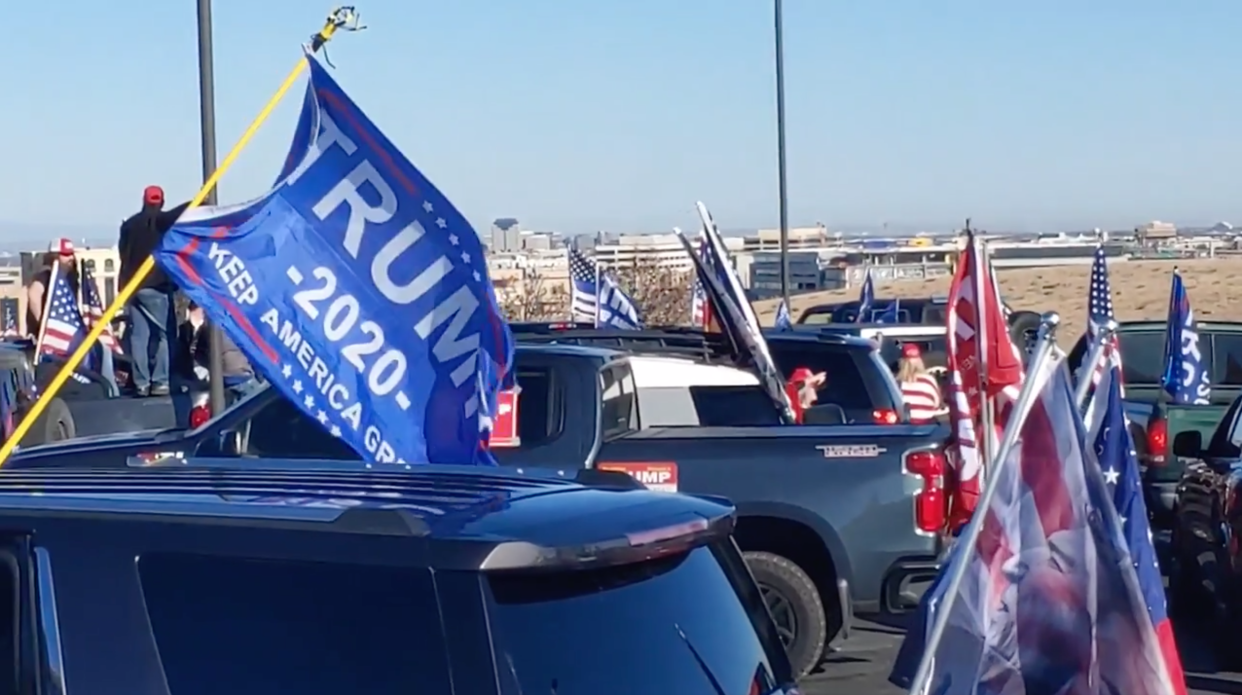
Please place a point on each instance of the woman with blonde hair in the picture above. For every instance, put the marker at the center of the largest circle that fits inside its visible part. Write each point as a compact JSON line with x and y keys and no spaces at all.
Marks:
{"x":919,"y":389}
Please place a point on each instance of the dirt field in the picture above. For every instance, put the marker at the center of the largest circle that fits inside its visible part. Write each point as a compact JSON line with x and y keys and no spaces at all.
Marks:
{"x":1140,"y":291}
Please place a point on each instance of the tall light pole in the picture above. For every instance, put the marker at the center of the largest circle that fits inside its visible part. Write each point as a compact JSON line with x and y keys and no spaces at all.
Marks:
{"x":207,"y":130}
{"x":782,"y":181}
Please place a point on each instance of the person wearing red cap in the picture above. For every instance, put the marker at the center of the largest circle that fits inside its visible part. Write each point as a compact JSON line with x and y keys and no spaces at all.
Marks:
{"x":152,"y":311}
{"x":919,"y":388}
{"x":803,"y":389}
{"x":61,"y":256}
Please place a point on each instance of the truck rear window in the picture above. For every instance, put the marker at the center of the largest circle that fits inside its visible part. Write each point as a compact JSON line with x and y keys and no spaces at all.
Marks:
{"x":856,"y":379}
{"x":631,"y":629}
{"x":255,"y":627}
{"x":1142,"y":356}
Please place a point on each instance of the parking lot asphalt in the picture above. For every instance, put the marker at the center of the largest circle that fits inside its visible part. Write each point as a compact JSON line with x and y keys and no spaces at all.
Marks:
{"x":860,"y":666}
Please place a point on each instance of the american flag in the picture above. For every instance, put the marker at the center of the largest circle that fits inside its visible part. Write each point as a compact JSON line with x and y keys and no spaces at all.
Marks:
{"x":1050,"y":601}
{"x":1099,"y":313}
{"x":985,"y":370}
{"x":1114,"y":449}
{"x":700,"y":307}
{"x":596,"y":297}
{"x":63,"y":327}
{"x":93,"y":309}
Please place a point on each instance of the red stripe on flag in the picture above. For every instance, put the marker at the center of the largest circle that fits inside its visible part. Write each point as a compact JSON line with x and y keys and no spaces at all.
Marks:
{"x":1168,"y":648}
{"x":1042,"y":471}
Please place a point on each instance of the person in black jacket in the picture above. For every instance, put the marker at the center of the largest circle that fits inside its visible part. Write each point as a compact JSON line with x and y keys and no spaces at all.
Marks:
{"x":152,"y":312}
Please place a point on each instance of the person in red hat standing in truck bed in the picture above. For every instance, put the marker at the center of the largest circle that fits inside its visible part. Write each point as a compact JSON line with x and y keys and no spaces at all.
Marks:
{"x":152,"y":311}
{"x":919,"y":389}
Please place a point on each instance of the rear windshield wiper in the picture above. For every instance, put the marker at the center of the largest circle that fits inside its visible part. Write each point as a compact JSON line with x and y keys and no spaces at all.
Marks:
{"x":698,"y":659}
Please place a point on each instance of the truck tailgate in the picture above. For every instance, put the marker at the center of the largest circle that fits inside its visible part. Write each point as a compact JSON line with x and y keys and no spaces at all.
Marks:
{"x":853,"y":473}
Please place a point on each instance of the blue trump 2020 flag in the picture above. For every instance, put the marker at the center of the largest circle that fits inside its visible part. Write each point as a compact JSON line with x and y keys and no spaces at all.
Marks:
{"x":358,"y":289}
{"x":1186,"y":369}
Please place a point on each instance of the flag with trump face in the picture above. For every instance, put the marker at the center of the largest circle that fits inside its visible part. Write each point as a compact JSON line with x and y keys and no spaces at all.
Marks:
{"x":1050,"y":601}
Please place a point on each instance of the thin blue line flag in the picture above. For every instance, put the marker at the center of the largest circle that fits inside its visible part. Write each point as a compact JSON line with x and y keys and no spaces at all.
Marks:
{"x":357,"y":289}
{"x":1186,"y":369}
{"x":784,"y":322}
{"x":866,"y":298}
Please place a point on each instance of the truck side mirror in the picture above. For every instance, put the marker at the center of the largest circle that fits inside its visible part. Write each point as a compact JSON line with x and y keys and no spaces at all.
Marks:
{"x":1188,"y":444}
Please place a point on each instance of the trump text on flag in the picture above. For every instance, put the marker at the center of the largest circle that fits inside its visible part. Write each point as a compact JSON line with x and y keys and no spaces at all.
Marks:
{"x":358,"y":290}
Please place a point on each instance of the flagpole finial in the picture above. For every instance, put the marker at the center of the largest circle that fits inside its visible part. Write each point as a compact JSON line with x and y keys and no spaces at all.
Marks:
{"x":1048,"y":324}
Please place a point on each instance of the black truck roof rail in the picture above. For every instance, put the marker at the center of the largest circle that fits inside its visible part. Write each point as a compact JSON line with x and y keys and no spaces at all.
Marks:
{"x":669,"y":340}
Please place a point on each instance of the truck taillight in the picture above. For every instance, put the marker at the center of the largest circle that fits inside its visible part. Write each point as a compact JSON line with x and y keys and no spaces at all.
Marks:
{"x":1157,"y":440}
{"x":931,"y":504}
{"x":199,"y":415}
{"x":884,"y":416}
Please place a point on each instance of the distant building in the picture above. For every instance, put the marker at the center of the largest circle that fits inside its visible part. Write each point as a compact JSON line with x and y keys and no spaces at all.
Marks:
{"x":506,"y":235}
{"x":1155,"y":232}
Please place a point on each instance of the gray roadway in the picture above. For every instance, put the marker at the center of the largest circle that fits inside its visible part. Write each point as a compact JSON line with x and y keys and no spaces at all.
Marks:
{"x":861,"y":666}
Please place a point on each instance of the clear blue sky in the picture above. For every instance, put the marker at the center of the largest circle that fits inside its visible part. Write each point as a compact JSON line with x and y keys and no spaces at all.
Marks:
{"x":618,"y":114}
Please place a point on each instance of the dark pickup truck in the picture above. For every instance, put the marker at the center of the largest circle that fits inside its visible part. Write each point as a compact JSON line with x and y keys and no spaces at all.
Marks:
{"x":1155,"y":423}
{"x":832,"y":519}
{"x":919,"y":311}
{"x":88,"y":403}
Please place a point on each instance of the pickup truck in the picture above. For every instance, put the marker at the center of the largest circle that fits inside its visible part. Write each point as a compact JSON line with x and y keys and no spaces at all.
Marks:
{"x":1207,"y":513}
{"x":833,"y":519}
{"x":88,"y":403}
{"x":918,"y":311}
{"x":1155,"y":423}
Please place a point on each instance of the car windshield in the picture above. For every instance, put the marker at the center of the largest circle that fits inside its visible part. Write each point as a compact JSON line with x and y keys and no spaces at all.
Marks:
{"x":669,"y":625}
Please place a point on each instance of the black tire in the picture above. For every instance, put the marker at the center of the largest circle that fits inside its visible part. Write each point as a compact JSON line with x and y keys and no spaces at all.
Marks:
{"x":795,"y":606}
{"x":55,"y":424}
{"x":1023,"y":328}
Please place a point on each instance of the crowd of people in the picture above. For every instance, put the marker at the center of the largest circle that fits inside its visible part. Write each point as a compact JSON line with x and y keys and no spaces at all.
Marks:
{"x":167,"y":352}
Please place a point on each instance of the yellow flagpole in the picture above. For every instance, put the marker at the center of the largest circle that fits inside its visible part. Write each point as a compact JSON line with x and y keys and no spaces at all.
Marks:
{"x":339,"y":18}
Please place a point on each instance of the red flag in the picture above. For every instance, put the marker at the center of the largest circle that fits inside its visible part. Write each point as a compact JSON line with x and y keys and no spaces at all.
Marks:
{"x":983,"y":365}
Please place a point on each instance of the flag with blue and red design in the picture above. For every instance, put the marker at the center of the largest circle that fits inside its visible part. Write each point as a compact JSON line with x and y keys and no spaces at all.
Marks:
{"x":1050,"y":601}
{"x":1099,"y":313}
{"x":700,"y":307}
{"x":1187,"y":370}
{"x":63,"y":327}
{"x":358,"y":289}
{"x":1114,"y":448}
{"x":93,"y":309}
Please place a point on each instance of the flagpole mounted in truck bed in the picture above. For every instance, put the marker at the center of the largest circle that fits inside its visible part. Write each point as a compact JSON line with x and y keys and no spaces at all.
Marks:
{"x":343,"y":18}
{"x":1042,"y":352}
